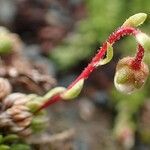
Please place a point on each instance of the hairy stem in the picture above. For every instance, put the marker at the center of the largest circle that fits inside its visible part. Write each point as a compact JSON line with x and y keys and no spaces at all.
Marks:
{"x":101,"y":52}
{"x":123,"y":31}
{"x":136,"y":64}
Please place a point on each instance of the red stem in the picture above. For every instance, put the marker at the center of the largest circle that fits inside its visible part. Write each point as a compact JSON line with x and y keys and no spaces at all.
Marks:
{"x":101,"y":52}
{"x":136,"y":64}
{"x":49,"y":102}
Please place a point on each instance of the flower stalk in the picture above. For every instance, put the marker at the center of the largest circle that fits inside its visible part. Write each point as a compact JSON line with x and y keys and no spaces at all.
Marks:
{"x":128,"y":28}
{"x":136,"y":64}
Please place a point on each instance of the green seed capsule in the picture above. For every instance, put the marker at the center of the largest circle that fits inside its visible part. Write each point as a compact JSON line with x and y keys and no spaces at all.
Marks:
{"x":128,"y":80}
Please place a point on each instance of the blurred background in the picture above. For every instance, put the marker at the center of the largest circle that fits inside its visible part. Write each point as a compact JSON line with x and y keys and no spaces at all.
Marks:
{"x":59,"y":39}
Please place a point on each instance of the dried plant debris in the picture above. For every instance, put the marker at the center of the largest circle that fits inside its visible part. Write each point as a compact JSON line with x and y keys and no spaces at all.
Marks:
{"x":18,"y":119}
{"x":17,"y":114}
{"x":22,"y":74}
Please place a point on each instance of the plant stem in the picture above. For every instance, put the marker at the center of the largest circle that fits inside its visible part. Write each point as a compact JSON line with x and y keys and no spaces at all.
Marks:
{"x":101,"y":52}
{"x":123,"y":31}
{"x":136,"y":64}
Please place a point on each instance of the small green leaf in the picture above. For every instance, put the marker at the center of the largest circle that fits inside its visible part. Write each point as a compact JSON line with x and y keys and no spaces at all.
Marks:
{"x":135,"y":20}
{"x":74,"y":91}
{"x":109,"y":55}
{"x":38,"y":123}
{"x":53,"y":92}
{"x":10,"y":138}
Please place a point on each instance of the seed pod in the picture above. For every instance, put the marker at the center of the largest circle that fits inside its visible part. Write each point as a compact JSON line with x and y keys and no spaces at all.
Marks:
{"x":128,"y":80}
